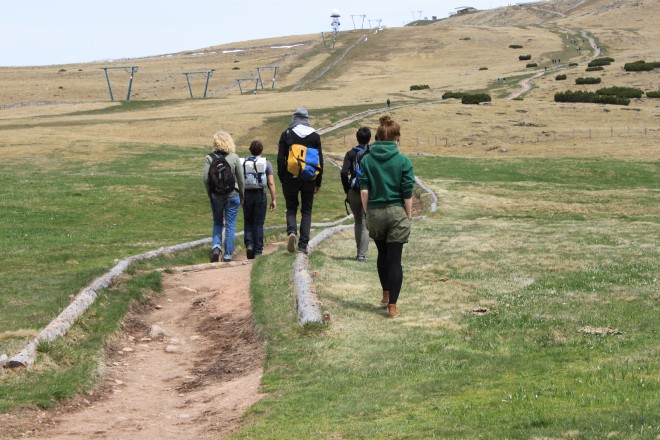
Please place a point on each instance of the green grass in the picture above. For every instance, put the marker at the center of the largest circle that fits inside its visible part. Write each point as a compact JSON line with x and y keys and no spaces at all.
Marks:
{"x":63,"y":224}
{"x":548,"y":246}
{"x":69,"y":365}
{"x":524,"y":369}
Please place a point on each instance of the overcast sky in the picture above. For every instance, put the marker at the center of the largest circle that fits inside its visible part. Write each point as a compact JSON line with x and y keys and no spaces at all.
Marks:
{"x":43,"y":32}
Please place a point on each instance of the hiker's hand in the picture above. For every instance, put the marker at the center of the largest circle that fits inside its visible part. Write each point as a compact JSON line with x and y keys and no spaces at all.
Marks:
{"x":273,"y":205}
{"x":316,"y":191}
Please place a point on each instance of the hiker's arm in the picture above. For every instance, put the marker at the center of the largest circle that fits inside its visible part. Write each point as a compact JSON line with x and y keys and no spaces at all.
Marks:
{"x":407,"y":204}
{"x":343,"y":174}
{"x":364,"y":195}
{"x":271,"y":189}
{"x":205,"y":175}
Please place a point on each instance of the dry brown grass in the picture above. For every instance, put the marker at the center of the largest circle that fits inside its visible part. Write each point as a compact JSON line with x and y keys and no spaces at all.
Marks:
{"x":446,"y":56}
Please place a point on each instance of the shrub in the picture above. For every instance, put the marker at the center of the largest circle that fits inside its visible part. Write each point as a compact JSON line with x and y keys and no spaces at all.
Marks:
{"x":589,"y":97}
{"x":475,"y":98}
{"x":483,"y":68}
{"x":515,"y":46}
{"x":593,"y":69}
{"x":587,"y":80}
{"x":531,"y":65}
{"x":608,"y":99}
{"x":465,"y":39}
{"x":524,"y":57}
{"x":654,"y":94}
{"x":572,"y":64}
{"x":621,"y":92}
{"x":456,"y":95}
{"x":640,"y":66}
{"x":606,"y":61}
{"x":560,"y":77}
{"x":419,"y":87}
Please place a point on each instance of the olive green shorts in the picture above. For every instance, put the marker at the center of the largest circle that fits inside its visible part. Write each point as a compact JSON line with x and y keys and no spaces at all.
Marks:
{"x":390,"y":224}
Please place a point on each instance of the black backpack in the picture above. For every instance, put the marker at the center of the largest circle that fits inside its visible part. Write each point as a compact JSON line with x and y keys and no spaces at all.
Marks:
{"x":221,"y":178}
{"x":355,"y":171}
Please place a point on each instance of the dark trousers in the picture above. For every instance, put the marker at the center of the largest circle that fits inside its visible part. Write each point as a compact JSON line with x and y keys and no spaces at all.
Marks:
{"x":254,"y":216}
{"x":291,"y":191}
{"x":390,"y":271}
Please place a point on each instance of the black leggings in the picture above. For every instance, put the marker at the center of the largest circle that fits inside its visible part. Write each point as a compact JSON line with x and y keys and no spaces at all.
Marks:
{"x":389,"y":266}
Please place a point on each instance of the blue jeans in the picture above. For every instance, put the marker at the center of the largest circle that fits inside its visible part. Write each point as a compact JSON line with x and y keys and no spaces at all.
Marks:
{"x":225,"y":211}
{"x":254,"y":217}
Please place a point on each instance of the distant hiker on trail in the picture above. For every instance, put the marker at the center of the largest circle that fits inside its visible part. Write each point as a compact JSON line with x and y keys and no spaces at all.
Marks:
{"x":388,"y":102}
{"x":223,"y":180}
{"x":386,"y":189}
{"x":349,"y":174}
{"x":300,"y":170}
{"x":258,"y":175}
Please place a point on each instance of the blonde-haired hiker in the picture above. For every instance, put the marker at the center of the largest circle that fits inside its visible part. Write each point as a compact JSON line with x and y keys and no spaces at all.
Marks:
{"x":223,"y":180}
{"x":386,"y":189}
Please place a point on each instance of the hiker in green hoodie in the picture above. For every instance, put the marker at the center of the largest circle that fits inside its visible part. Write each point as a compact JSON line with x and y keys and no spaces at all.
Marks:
{"x":386,"y":189}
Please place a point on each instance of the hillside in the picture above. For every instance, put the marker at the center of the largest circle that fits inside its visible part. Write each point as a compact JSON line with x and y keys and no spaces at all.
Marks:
{"x":467,"y":53}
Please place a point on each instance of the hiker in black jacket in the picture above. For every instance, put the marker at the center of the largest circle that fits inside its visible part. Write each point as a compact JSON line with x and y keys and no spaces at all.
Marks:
{"x":299,"y":133}
{"x":350,"y":182}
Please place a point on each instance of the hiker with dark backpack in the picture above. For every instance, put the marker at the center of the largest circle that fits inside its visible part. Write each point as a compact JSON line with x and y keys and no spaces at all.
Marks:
{"x":300,"y":170}
{"x":223,"y":180}
{"x":349,"y":174}
{"x":258,"y":175}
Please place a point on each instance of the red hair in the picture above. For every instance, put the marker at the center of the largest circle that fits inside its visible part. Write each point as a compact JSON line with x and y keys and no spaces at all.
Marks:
{"x":388,"y":130}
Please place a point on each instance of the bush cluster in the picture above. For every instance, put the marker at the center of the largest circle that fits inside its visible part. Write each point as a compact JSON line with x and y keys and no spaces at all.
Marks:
{"x":621,"y":92}
{"x":641,"y":66}
{"x":483,"y":68}
{"x":531,"y":65}
{"x":572,"y":64}
{"x":587,"y":80}
{"x":605,"y":61}
{"x":524,"y":57}
{"x":515,"y":46}
{"x":584,"y":96}
{"x":560,"y":77}
{"x":654,"y":94}
{"x":594,"y":68}
{"x":475,"y":98}
{"x":455,"y":95}
{"x":419,"y":87}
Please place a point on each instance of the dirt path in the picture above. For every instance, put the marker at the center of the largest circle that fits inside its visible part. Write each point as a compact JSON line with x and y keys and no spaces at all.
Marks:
{"x":525,"y":84}
{"x":193,"y":381}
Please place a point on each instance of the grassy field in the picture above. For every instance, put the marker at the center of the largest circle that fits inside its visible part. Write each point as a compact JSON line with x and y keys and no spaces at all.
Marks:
{"x":546,"y":248}
{"x":548,"y":219}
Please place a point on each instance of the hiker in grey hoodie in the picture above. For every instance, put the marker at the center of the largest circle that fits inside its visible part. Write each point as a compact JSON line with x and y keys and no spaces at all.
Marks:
{"x":294,"y":182}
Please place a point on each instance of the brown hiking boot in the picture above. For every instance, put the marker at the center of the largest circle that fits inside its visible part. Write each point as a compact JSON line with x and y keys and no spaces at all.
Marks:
{"x":392,"y":311}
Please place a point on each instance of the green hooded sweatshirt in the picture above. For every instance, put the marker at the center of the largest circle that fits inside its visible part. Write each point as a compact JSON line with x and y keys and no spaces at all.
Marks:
{"x":387,"y":174}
